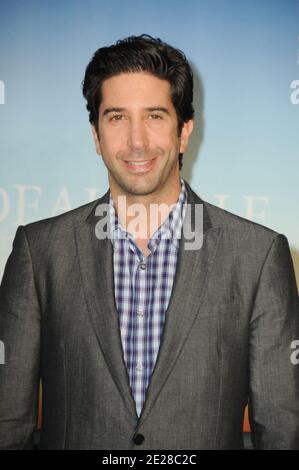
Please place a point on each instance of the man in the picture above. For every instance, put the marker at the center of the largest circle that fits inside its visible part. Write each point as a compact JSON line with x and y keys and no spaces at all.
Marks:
{"x":142,"y":341}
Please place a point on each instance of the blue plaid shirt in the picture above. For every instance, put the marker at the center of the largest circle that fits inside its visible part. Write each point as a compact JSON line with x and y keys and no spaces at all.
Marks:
{"x":143,"y":288}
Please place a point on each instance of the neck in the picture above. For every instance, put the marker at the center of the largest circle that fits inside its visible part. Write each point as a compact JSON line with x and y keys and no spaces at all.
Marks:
{"x":150,"y":212}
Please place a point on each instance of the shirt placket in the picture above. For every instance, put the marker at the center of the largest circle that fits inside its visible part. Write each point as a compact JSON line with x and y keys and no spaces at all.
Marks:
{"x":141,"y":280}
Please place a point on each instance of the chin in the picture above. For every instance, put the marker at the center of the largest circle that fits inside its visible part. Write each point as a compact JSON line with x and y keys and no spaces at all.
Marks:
{"x":140,"y":189}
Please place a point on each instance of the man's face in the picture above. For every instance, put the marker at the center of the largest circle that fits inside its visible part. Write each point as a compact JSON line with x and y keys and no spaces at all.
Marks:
{"x":138,"y":134}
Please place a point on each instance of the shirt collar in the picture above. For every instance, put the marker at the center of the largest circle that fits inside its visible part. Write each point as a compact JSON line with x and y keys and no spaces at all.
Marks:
{"x":171,"y":227}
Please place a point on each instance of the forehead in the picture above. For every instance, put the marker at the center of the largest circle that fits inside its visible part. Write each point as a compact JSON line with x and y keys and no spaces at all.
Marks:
{"x":135,"y":88}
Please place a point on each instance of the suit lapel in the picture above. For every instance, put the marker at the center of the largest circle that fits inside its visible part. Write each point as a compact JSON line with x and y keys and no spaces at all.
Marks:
{"x":192,"y":273}
{"x":96,"y":265}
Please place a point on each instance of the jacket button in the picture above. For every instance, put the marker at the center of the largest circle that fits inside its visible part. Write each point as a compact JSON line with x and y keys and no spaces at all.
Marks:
{"x":138,"y":439}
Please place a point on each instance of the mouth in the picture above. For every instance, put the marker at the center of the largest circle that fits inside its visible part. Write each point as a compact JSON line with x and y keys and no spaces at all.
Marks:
{"x":140,"y":166}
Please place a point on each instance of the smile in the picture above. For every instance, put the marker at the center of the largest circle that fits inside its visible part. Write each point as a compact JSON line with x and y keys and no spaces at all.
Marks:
{"x":140,"y":166}
{"x":138,"y":163}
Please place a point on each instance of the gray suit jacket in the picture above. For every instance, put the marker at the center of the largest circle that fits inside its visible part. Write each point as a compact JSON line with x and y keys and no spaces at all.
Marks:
{"x":232,"y":317}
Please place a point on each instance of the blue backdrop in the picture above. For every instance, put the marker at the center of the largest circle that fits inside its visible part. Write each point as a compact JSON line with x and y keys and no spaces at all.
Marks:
{"x":244,"y":151}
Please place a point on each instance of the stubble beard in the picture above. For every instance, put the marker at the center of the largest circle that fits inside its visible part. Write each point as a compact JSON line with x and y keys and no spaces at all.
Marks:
{"x":142,"y":185}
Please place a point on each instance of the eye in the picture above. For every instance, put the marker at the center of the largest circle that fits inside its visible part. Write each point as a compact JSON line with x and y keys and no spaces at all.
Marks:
{"x":155,"y":116}
{"x":116,"y":117}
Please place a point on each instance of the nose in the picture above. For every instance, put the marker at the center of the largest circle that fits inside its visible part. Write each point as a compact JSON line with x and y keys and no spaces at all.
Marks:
{"x":137,"y":135}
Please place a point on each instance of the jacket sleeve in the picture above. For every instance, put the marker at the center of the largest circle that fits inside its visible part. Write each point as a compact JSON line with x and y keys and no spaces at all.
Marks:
{"x":273,"y":375}
{"x":20,"y":339}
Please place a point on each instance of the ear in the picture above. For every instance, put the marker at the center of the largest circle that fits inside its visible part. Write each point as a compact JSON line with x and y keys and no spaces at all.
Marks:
{"x":96,"y":139}
{"x":185,"y":134}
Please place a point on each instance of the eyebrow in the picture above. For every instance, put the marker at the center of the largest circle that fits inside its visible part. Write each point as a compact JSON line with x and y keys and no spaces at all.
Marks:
{"x":112,"y":110}
{"x":158,"y":108}
{"x":150,"y":109}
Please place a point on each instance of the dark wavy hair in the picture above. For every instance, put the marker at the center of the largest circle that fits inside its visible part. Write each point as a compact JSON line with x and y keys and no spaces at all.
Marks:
{"x":141,"y":54}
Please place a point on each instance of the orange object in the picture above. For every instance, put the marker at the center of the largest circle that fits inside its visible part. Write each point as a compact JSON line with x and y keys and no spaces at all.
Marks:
{"x":246,"y":425}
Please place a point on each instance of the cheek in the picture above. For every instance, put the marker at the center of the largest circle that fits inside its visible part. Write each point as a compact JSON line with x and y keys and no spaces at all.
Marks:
{"x":166,"y":138}
{"x":110,"y":144}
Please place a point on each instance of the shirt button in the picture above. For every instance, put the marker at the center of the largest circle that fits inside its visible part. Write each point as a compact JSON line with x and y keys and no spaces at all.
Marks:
{"x":139,"y":367}
{"x":139,"y":313}
{"x":142,"y":265}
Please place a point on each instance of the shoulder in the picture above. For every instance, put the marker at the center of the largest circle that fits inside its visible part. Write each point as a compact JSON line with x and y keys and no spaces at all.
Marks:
{"x":228,"y":220}
{"x":60,"y":225}
{"x":239,"y":232}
